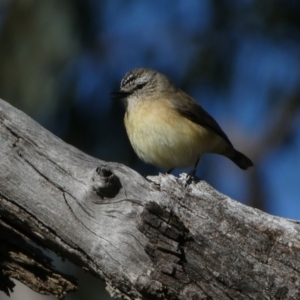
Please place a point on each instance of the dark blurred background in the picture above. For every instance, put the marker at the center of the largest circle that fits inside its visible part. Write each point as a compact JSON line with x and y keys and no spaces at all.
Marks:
{"x":59,"y":60}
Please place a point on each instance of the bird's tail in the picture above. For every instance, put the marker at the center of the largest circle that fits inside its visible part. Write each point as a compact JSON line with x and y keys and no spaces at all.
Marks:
{"x":240,"y":159}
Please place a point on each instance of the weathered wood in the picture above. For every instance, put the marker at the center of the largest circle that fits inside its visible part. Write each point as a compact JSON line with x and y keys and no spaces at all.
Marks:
{"x":22,"y":261}
{"x":151,"y":238}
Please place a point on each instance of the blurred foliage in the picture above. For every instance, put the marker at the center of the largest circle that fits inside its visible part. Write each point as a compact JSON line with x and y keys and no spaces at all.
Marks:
{"x":37,"y":40}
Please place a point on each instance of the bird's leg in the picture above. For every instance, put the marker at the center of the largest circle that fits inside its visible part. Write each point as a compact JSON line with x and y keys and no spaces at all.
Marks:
{"x":192,"y":173}
{"x":170,"y":171}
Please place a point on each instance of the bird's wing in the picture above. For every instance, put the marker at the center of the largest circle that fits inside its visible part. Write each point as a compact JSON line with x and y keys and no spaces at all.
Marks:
{"x":191,"y":110}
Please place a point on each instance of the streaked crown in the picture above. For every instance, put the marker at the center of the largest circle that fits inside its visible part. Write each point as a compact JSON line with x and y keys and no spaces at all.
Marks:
{"x":142,"y":81}
{"x":136,"y":79}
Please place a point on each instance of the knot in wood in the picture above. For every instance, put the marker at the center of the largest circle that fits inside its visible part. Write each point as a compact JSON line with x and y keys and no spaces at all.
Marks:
{"x":105,"y":183}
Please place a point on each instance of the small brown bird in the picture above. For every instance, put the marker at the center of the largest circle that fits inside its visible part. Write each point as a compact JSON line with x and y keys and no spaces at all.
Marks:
{"x":168,"y":128}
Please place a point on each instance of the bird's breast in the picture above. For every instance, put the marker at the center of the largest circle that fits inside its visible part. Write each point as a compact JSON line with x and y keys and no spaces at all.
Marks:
{"x":164,"y":138}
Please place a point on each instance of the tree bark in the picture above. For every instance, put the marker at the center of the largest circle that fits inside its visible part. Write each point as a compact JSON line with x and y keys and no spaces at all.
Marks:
{"x":147,"y":238}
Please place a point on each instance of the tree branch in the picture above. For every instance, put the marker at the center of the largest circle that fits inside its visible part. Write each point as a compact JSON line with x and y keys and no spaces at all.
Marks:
{"x":148,"y":238}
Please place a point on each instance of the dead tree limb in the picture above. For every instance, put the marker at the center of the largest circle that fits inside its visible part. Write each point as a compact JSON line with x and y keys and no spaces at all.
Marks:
{"x":151,"y":238}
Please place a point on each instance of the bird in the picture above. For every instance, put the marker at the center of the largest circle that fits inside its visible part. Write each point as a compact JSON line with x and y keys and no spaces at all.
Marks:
{"x":168,"y":128}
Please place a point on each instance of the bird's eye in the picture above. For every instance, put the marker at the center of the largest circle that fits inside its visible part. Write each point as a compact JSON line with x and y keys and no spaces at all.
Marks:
{"x":140,"y":85}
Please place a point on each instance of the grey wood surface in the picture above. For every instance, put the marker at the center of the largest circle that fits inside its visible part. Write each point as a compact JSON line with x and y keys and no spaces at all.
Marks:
{"x":147,"y":238}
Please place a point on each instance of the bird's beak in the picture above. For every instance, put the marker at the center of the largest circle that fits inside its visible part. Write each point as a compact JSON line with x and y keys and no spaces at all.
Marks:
{"x":120,"y":94}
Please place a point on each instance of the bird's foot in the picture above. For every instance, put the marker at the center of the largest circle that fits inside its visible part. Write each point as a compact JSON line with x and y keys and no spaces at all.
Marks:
{"x":170,"y":171}
{"x":190,"y":176}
